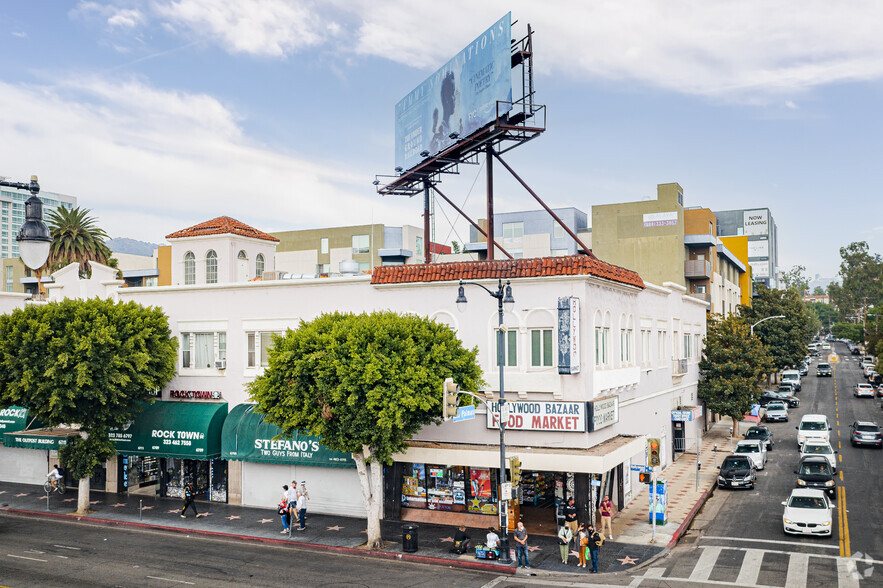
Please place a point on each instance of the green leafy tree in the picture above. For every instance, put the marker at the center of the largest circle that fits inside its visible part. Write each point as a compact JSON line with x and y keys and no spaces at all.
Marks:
{"x":365,"y":384}
{"x":85,"y":362}
{"x":455,"y":246}
{"x":76,"y":238}
{"x":850,"y":331}
{"x":818,"y":291}
{"x":861,"y":275}
{"x":732,"y":368}
{"x":786,"y":338}
{"x":825,"y":313}
{"x":795,"y":279}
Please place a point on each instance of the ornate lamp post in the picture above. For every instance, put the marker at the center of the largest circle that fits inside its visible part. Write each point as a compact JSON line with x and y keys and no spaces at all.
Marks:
{"x":33,"y":238}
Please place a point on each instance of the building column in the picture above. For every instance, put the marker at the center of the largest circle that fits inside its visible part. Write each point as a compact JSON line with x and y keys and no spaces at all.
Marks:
{"x":111,"y":483}
{"x":234,"y":482}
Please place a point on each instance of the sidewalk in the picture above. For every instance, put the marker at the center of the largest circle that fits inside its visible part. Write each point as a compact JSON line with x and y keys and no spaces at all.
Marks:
{"x":632,"y":525}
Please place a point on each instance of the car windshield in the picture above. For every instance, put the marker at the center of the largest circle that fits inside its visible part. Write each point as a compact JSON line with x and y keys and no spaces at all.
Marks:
{"x":775,"y":406}
{"x":790,"y":376}
{"x":784,"y":389}
{"x":867,"y":428}
{"x":737,"y":463}
{"x":748,"y":448}
{"x":755,"y":434}
{"x":812,"y":426}
{"x":817,"y":449}
{"x":806,"y":502}
{"x":815,"y":469}
{"x":824,"y":366}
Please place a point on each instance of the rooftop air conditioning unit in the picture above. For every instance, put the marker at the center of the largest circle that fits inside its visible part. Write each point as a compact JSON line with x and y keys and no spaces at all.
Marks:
{"x":271,"y":275}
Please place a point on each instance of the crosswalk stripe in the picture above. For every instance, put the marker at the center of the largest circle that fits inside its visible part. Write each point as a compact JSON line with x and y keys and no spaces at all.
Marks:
{"x":750,"y":567}
{"x":706,"y":562}
{"x":798,"y":570}
{"x":847,"y":573}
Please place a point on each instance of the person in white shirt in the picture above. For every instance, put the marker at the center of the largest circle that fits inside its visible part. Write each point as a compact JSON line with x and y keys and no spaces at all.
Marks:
{"x":54,"y":476}
{"x":302,"y":512}
{"x":291,"y":498}
{"x":492,"y":541}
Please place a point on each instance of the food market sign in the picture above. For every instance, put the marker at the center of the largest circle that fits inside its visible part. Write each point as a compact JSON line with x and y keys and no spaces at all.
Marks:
{"x":603,"y":412}
{"x":526,"y":415}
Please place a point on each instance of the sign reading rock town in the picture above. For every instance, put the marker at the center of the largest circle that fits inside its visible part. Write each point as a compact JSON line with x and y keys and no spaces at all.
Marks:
{"x":196,"y":394}
{"x":527,"y":415}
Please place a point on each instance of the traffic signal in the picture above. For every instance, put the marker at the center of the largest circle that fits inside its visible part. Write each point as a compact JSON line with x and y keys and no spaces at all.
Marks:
{"x":450,"y":402}
{"x":645,"y":478}
{"x":653,"y":452}
{"x":514,"y":470}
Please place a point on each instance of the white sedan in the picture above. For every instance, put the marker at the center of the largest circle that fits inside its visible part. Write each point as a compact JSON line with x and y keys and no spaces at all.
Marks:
{"x":807,"y":512}
{"x":863,"y":390}
{"x":820,"y":447}
{"x":754,"y":449}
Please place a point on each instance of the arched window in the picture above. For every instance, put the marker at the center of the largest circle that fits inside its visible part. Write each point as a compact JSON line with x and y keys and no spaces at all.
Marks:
{"x":211,"y":267}
{"x":189,"y":268}
{"x":259,"y":265}
{"x":242,"y":266}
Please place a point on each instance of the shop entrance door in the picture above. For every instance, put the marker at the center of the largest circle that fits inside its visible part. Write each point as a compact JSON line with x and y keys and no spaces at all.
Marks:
{"x":540,"y":494}
{"x":678,"y":437}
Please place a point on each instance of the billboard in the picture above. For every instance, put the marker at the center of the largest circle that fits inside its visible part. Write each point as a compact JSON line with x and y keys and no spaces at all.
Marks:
{"x":760,"y":269}
{"x":759,"y":249}
{"x":660,"y":219}
{"x":461,"y":97}
{"x":756,"y":222}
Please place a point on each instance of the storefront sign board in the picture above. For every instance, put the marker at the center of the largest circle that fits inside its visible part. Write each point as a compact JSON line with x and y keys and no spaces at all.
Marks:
{"x":13,"y":418}
{"x":195,"y":394}
{"x":530,"y":415}
{"x":568,"y":335}
{"x":603,"y":412}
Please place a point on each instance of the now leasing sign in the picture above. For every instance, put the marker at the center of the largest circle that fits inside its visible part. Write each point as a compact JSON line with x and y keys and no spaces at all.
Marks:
{"x":526,"y":415}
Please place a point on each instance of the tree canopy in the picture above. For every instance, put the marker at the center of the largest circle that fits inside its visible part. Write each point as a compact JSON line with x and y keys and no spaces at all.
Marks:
{"x":786,"y":338}
{"x":795,"y":279}
{"x":76,"y":238}
{"x":732,"y":367}
{"x":85,"y":362}
{"x":861,"y":284}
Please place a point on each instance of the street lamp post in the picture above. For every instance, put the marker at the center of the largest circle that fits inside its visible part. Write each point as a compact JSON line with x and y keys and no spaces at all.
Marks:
{"x":765,"y":319}
{"x":504,"y":297}
{"x":34,"y":238}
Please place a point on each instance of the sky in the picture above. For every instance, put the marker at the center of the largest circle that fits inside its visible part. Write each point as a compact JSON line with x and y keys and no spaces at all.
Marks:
{"x":160,"y":114}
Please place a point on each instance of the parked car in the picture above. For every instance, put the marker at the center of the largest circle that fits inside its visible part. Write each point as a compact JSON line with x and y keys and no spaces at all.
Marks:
{"x":786,"y":388}
{"x":803,"y":369}
{"x":760,"y":433}
{"x":855,"y":351}
{"x":866,"y":433}
{"x":754,"y":449}
{"x":808,"y":512}
{"x":776,"y":411}
{"x":863,"y":390}
{"x":813,"y":427}
{"x":868,"y":370}
{"x":772,"y":396}
{"x":814,"y":471}
{"x":792,"y":377}
{"x":824,"y":369}
{"x":822,"y":448}
{"x":737,"y":471}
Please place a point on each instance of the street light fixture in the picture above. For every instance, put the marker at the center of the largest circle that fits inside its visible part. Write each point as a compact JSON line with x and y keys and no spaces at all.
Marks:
{"x":34,"y":238}
{"x":504,"y":299}
{"x":765,"y":319}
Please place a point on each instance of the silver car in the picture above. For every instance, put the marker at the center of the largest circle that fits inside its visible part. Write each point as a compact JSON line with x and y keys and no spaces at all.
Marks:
{"x":753,"y":449}
{"x":776,"y":412}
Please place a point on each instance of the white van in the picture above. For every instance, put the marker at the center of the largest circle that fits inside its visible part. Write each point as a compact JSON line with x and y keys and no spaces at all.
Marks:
{"x":813,"y":427}
{"x":793,"y":377}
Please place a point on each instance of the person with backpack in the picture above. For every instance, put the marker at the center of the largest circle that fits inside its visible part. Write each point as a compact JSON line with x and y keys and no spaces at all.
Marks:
{"x":188,"y":501}
{"x":595,"y":542}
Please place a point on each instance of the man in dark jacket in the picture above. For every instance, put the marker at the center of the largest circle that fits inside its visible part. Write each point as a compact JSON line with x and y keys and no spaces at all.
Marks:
{"x":570,"y":516}
{"x":188,"y":501}
{"x":594,"y":546}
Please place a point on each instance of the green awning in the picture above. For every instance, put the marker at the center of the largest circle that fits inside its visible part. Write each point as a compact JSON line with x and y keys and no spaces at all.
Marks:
{"x":247,"y":437}
{"x":50,"y":439}
{"x":187,"y":430}
{"x":13,"y":418}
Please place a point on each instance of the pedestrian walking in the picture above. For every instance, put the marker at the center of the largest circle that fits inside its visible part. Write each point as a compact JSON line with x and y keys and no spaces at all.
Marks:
{"x":606,"y":508}
{"x":302,"y":511}
{"x":291,"y":497}
{"x":188,"y":501}
{"x":565,"y":536}
{"x":521,"y":545}
{"x":283,"y":510}
{"x":595,"y":542}
{"x":570,"y":516}
{"x":582,"y":543}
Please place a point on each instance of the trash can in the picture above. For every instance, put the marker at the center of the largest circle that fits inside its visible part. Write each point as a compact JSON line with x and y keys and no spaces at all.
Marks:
{"x":409,"y":538}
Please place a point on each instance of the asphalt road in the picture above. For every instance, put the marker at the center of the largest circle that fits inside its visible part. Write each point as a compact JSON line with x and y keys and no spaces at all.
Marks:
{"x":43,"y":552}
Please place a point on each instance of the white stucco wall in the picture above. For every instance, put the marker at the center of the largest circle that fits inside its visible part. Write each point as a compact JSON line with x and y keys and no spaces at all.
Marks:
{"x":227,"y":247}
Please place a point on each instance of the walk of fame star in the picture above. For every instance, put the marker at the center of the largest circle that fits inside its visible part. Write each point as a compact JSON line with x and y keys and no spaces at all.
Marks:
{"x":627,"y":561}
{"x":533,"y":548}
{"x":233,"y":517}
{"x":264,"y":521}
{"x":142,"y":508}
{"x":119,"y":504}
{"x":174,"y":511}
{"x":447,"y":539}
{"x":334,"y":528}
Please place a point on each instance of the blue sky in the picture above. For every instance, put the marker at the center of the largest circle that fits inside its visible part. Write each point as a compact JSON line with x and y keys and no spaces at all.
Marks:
{"x":159,"y":114}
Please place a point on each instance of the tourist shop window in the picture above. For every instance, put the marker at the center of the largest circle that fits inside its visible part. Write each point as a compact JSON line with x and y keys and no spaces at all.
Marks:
{"x":449,"y":488}
{"x":510,"y":349}
{"x":211,"y":267}
{"x":259,"y":265}
{"x":202,"y":350}
{"x":189,"y":268}
{"x":361,"y":244}
{"x":541,"y":347}
{"x":259,"y":344}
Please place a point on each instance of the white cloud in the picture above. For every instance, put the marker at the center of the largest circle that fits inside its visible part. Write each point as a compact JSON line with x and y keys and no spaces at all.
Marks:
{"x":125,"y":18}
{"x":20,"y":34}
{"x":791,"y":105}
{"x":149,"y":161}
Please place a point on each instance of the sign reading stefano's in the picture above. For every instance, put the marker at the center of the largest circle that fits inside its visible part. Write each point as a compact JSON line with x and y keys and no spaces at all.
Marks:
{"x":530,"y":415}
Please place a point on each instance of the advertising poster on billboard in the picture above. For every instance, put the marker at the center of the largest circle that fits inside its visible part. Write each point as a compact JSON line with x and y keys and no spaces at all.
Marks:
{"x":756,"y":222}
{"x":461,"y":97}
{"x":758,"y":249}
{"x":760,"y":269}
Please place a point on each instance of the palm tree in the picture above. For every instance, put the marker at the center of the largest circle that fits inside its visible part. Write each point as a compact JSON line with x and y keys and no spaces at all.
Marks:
{"x":76,"y":238}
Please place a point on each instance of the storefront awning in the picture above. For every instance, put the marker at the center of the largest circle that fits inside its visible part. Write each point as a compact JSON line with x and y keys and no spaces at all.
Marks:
{"x":187,"y":430}
{"x":594,"y":460}
{"x":49,"y":439}
{"x":247,"y":437}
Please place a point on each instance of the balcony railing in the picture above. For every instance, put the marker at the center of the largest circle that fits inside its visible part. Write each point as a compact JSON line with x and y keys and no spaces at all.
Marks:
{"x":697,"y":268}
{"x":701,"y":296}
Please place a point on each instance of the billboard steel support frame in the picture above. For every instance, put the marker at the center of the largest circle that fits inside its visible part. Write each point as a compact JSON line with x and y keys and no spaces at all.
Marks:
{"x":469,"y":219}
{"x":490,"y":202}
{"x":427,"y":235}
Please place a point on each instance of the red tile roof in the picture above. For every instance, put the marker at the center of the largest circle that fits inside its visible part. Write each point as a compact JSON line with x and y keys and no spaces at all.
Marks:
{"x":221,"y":226}
{"x":573,"y":265}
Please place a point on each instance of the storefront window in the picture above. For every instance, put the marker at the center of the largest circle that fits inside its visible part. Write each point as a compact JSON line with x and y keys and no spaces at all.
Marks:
{"x":139,"y":471}
{"x":209,"y":478}
{"x":483,"y":491}
{"x":440,"y":487}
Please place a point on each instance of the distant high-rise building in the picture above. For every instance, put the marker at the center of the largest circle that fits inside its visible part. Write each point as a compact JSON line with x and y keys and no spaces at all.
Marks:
{"x":12,"y":214}
{"x":763,"y":244}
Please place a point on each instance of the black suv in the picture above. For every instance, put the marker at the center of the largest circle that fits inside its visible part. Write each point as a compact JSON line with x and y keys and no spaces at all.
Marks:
{"x":815,"y":472}
{"x":761,"y":433}
{"x":824,"y":369}
{"x":737,"y":471}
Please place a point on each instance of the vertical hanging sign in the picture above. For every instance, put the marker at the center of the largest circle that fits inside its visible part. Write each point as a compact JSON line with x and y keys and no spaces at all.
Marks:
{"x":568,"y":335}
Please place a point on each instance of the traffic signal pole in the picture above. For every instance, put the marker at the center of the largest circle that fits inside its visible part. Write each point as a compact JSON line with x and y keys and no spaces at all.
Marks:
{"x":653,"y":505}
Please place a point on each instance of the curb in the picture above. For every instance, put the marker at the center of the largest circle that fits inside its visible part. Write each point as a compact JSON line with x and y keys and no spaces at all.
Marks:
{"x":424,"y":559}
{"x":690,"y":516}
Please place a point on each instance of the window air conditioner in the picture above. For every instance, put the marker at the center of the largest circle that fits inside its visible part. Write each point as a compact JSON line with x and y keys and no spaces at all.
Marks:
{"x":221,"y":364}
